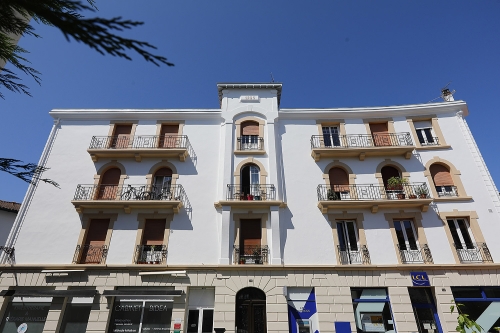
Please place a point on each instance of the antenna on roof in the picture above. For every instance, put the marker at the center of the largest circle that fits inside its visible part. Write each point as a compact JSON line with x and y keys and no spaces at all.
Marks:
{"x":272,"y":78}
{"x":446,"y":94}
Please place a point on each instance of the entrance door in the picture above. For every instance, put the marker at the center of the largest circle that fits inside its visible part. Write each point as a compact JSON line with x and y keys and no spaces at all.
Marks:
{"x":251,"y":311}
{"x":168,"y":136}
{"x":424,"y":309}
{"x":121,"y":136}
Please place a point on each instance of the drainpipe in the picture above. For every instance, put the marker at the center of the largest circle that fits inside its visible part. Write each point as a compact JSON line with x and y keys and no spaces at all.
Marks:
{"x":16,"y":227}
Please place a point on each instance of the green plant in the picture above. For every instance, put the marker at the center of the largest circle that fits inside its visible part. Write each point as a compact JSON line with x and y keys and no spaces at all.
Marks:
{"x":396,"y":183}
{"x":464,"y":323}
{"x":421,"y":190}
{"x":331,"y":195}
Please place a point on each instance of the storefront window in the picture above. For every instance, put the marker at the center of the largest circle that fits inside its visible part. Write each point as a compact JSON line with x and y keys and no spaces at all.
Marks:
{"x":302,"y":312}
{"x":76,"y":318}
{"x":372,"y":312}
{"x":26,"y":316}
{"x":482,"y":304}
{"x":138,"y":316}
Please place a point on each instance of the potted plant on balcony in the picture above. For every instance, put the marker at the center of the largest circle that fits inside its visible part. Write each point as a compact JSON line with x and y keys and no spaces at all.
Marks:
{"x":396,"y":184}
{"x":242,"y":261}
{"x":331,"y":195}
{"x":422,"y":192}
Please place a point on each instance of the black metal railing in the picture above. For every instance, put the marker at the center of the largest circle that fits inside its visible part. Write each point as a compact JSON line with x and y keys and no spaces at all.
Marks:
{"x":255,"y":192}
{"x":361,"y":140}
{"x":90,"y":254}
{"x":250,"y":143}
{"x":435,"y":142}
{"x":415,"y":254}
{"x":140,"y":142}
{"x":372,"y":192}
{"x":359,"y":256}
{"x":447,"y":191}
{"x":130,"y":192}
{"x":150,"y":254}
{"x":473,"y":252}
{"x":250,"y":254}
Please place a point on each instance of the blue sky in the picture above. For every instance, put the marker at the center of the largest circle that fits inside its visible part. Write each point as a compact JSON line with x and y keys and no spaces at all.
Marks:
{"x":326,"y":53}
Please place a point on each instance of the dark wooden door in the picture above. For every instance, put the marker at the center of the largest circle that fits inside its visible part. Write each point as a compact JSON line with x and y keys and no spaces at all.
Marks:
{"x":108,"y":186}
{"x":169,"y":136}
{"x":121,"y":136}
{"x":93,"y":249}
{"x":154,"y":232}
{"x":251,"y":311}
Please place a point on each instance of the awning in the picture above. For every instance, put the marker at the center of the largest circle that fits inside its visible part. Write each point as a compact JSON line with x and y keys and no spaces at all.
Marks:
{"x":124,"y":292}
{"x":48,"y":293}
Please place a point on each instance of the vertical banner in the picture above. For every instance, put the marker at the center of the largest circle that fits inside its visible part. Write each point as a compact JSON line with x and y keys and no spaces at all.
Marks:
{"x":302,"y":313}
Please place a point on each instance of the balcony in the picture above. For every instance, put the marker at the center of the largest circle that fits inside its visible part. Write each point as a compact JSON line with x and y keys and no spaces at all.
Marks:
{"x":359,"y":256}
{"x":150,"y":254}
{"x":90,"y":254}
{"x":252,"y":196}
{"x":361,"y":145}
{"x":469,"y":253}
{"x":374,"y":197}
{"x":250,"y":254}
{"x":415,"y":254}
{"x":140,"y":146}
{"x":448,"y":191}
{"x":128,"y":197}
{"x":250,"y":145}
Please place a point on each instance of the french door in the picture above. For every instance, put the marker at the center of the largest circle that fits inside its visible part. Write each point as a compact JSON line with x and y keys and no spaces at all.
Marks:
{"x":348,"y":243}
{"x":408,"y":241}
{"x":464,"y":241}
{"x":331,"y":136}
{"x":200,"y":320}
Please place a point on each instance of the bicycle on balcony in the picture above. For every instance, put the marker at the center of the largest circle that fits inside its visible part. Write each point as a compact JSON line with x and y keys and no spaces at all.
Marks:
{"x":133,"y":193}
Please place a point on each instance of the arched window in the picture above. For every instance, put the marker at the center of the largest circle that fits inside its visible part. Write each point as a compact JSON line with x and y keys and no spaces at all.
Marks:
{"x":108,"y":186}
{"x":163,"y":177}
{"x":250,"y":179}
{"x":339,"y":184}
{"x":388,"y":172}
{"x":442,"y":180}
{"x":249,"y":135}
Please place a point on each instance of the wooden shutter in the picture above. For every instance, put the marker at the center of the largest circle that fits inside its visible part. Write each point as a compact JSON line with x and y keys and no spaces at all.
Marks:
{"x":164,"y":172}
{"x":338,"y":177}
{"x":250,"y":233}
{"x":109,"y":184}
{"x":169,"y":136}
{"x":96,"y":237}
{"x":121,"y":136}
{"x":380,"y":133}
{"x":250,"y":128}
{"x":154,"y":231}
{"x":389,"y":172}
{"x":441,"y":175}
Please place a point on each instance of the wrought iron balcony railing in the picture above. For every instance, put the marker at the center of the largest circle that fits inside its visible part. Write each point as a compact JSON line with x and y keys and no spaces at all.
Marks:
{"x":351,"y":257}
{"x":90,"y":254}
{"x":473,"y":252}
{"x":250,"y":254}
{"x":361,"y":140}
{"x":434,"y":142}
{"x":447,"y":191}
{"x":372,"y":192}
{"x":255,"y":192}
{"x":130,"y":192}
{"x":250,"y":143}
{"x":140,"y":142}
{"x":415,"y":254}
{"x":150,"y":254}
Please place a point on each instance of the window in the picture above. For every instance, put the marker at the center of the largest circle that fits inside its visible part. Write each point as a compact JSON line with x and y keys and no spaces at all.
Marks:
{"x":94,"y":250}
{"x":76,"y":316}
{"x":140,"y":316}
{"x":425,"y":134}
{"x":380,"y":134}
{"x":152,"y":250}
{"x":331,"y":137}
{"x":169,"y":137}
{"x":201,"y":310}
{"x":481,"y":304}
{"x":339,"y":184}
{"x":121,"y":136}
{"x":162,"y":182}
{"x":424,"y":309}
{"x":250,"y":136}
{"x":348,"y":243}
{"x":463,"y":240}
{"x":250,"y":250}
{"x":108,"y":186}
{"x":408,"y":246}
{"x":443,"y":181}
{"x":250,"y":179}
{"x":25,"y":314}
{"x":372,"y":311}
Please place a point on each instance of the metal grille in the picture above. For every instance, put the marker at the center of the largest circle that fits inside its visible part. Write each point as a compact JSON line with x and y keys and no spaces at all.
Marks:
{"x":250,"y":254}
{"x":250,"y":143}
{"x":372,"y":192}
{"x":140,"y":142}
{"x":130,"y":192}
{"x":420,"y":254}
{"x":348,"y":256}
{"x":473,"y":252}
{"x":337,"y":141}
{"x":150,"y":254}
{"x":252,"y":192}
{"x":89,"y":254}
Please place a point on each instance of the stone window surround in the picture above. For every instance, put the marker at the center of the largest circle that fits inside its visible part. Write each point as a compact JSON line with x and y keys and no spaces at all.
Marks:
{"x":86,"y":218}
{"x":358,"y":218}
{"x":471,"y":218}
{"x":158,"y":166}
{"x":113,"y":123}
{"x":238,"y":123}
{"x":416,"y":217}
{"x":388,"y":162}
{"x":142,"y":217}
{"x":455,"y":175}
{"x":251,"y":216}
{"x":389,"y":121}
{"x":168,"y":122}
{"x":328,"y":123}
{"x":250,"y":160}
{"x":435,"y":128}
{"x":106,"y":167}
{"x":338,"y":164}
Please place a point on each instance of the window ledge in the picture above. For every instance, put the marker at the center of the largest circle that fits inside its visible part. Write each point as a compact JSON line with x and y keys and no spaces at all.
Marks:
{"x":436,"y":147}
{"x":451,"y":199}
{"x":250,"y":152}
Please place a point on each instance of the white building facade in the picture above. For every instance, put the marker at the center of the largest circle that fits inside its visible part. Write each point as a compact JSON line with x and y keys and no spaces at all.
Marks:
{"x":255,"y":219}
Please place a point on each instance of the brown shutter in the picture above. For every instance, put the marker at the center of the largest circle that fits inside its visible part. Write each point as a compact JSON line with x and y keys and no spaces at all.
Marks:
{"x":380,"y":133}
{"x":169,"y":136}
{"x":121,"y":136}
{"x":250,"y":233}
{"x":338,"y":177}
{"x":389,"y":172}
{"x":250,"y":128}
{"x":165,"y":172}
{"x":109,"y":184}
{"x":96,"y":238}
{"x":154,"y":232}
{"x":441,"y":175}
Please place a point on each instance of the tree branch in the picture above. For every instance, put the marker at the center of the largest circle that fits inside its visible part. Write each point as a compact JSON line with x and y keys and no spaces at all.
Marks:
{"x":28,"y":172}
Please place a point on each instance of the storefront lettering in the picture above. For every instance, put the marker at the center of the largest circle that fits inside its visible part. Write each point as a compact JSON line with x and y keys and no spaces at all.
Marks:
{"x":128,"y":308}
{"x":25,"y":319}
{"x":158,"y":308}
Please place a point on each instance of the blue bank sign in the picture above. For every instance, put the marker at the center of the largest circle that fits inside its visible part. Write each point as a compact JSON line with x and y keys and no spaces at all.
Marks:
{"x":420,"y":279}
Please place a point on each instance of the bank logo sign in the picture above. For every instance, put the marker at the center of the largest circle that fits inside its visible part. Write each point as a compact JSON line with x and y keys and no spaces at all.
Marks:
{"x":420,"y":279}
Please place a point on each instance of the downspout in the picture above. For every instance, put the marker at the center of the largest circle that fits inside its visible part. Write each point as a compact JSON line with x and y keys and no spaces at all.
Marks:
{"x":16,"y":227}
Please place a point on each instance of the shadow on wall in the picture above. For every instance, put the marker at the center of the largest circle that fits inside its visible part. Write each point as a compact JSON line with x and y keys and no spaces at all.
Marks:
{"x":182,"y":220}
{"x":285,"y":225}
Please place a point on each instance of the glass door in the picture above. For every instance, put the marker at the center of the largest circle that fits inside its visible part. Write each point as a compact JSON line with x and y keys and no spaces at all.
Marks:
{"x":331,"y":136}
{"x":464,"y":241}
{"x":348,"y":243}
{"x":408,"y":242}
{"x":200,"y":320}
{"x":424,"y":309}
